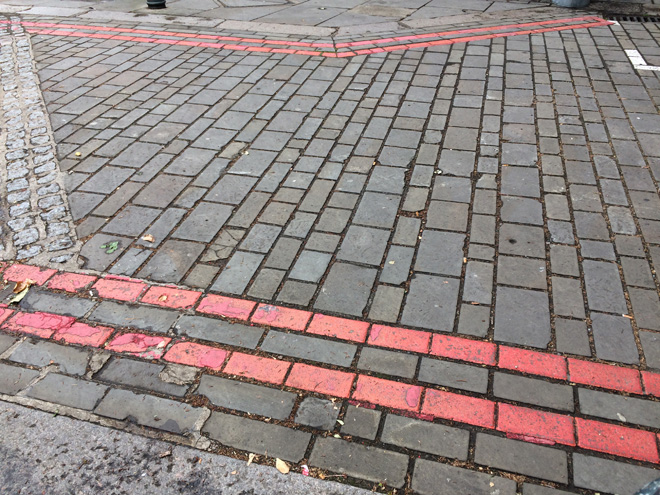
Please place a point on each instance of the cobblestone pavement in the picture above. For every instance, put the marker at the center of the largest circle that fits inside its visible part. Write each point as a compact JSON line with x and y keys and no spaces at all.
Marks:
{"x":410,"y":256}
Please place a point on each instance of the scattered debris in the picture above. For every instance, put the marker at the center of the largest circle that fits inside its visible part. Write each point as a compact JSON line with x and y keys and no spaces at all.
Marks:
{"x":251,"y":458}
{"x":167,"y":453}
{"x":163,"y":298}
{"x":304,"y":469}
{"x":20,"y":290}
{"x":282,"y":466}
{"x":148,"y":238}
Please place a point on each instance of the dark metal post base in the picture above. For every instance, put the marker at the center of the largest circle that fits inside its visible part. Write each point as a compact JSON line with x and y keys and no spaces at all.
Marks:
{"x":156,"y":4}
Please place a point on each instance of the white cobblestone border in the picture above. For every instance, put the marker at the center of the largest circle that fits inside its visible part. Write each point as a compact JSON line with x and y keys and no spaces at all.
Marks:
{"x":35,"y":223}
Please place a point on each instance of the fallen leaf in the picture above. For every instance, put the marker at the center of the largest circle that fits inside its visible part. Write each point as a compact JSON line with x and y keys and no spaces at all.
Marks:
{"x":162,"y":298}
{"x":148,"y":238}
{"x":281,"y":466}
{"x":19,"y":297}
{"x":21,"y":286}
{"x":78,"y":153}
{"x":251,"y":458}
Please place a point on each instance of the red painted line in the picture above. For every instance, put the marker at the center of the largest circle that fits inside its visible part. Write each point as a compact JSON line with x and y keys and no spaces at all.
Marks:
{"x":61,"y":31}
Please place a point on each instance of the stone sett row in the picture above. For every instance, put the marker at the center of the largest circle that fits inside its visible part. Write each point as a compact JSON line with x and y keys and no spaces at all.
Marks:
{"x":38,"y":216}
{"x":426,"y":403}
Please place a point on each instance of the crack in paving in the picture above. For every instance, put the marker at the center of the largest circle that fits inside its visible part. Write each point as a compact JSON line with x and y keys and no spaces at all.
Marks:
{"x":35,"y":222}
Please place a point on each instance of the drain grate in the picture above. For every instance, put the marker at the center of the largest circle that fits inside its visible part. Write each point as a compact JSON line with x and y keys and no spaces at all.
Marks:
{"x":631,"y":18}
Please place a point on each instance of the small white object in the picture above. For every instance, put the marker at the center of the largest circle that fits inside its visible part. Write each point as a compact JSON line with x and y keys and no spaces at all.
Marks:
{"x":638,"y":61}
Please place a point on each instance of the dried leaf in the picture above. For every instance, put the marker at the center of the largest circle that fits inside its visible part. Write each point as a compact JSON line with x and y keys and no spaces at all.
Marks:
{"x":282,"y":466}
{"x":19,"y":297}
{"x":251,"y":458}
{"x":21,"y":286}
{"x":148,"y":238}
{"x":162,"y":298}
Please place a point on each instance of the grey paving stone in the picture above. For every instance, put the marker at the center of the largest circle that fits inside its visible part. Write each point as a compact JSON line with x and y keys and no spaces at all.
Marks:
{"x":147,"y":410}
{"x":637,"y":272}
{"x":478,"y":286}
{"x":237,"y":273}
{"x":474,"y":320}
{"x":106,"y":180}
{"x":221,"y":331}
{"x":82,"y":203}
{"x":377,"y":210}
{"x":567,"y":297}
{"x":522,"y":240}
{"x":231,"y":189}
{"x":131,"y":221}
{"x":140,"y":317}
{"x":41,"y":300}
{"x":646,"y":308}
{"x":317,"y":413}
{"x":160,"y":192}
{"x":246,"y":397}
{"x":70,"y":360}
{"x":386,"y":180}
{"x":361,"y":422}
{"x":522,"y":317}
{"x":651,"y":346}
{"x":204,"y":222}
{"x":260,"y":238}
{"x":619,"y":408}
{"x":283,"y":254}
{"x":388,"y":362}
{"x":172,"y":261}
{"x":298,"y":293}
{"x":455,"y":375}
{"x":13,"y":379}
{"x":370,"y":463}
{"x":431,"y":303}
{"x":364,"y":245}
{"x":604,"y":291}
{"x":591,"y":226}
{"x":533,"y":391}
{"x":572,"y":337}
{"x":529,"y":489}
{"x":432,"y":478}
{"x":407,"y":230}
{"x":614,"y":339}
{"x":305,"y":347}
{"x":257,"y":436}
{"x":522,"y":272}
{"x":130,"y":261}
{"x":162,"y":227}
{"x":138,"y":374}
{"x":445,"y":261}
{"x":6,"y":341}
{"x":397,"y":265}
{"x":254,"y":164}
{"x":521,"y":210}
{"x":455,"y":189}
{"x":386,"y":303}
{"x":454,"y":162}
{"x":426,"y":437}
{"x":521,"y":457}
{"x":346,"y":289}
{"x":68,"y":391}
{"x":561,"y":232}
{"x":605,"y":475}
{"x":444,"y":215}
{"x":520,"y":181}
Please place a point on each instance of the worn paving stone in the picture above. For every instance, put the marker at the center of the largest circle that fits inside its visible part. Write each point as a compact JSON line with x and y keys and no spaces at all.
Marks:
{"x":317,"y":413}
{"x":37,"y":300}
{"x":346,"y":289}
{"x":522,"y":317}
{"x":173,"y":416}
{"x":246,"y":397}
{"x":140,"y":317}
{"x":70,"y":360}
{"x":138,"y":374}
{"x":68,"y":391}
{"x":370,"y":463}
{"x":311,"y":348}
{"x":521,"y":457}
{"x":257,"y":437}
{"x":599,"y":474}
{"x":13,"y":379}
{"x":427,"y":437}
{"x":432,"y":478}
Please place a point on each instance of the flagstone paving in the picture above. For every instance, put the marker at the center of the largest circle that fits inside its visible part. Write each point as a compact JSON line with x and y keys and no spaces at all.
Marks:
{"x":406,"y":257}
